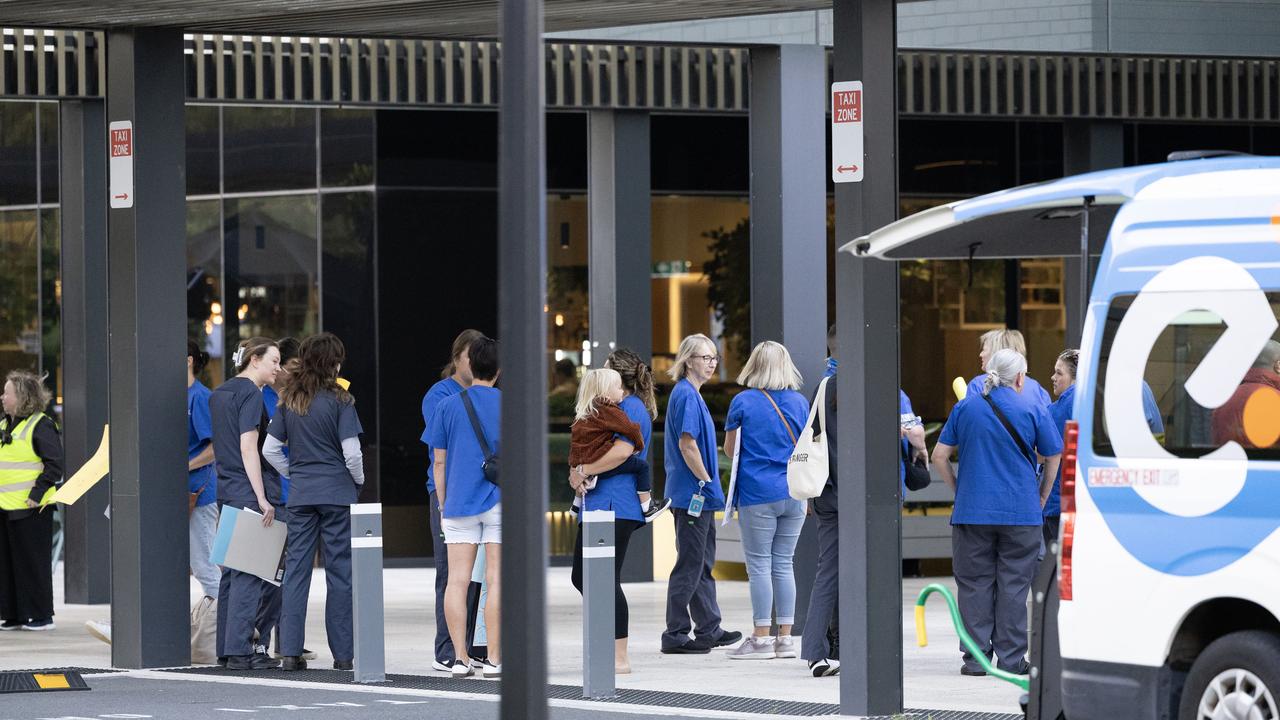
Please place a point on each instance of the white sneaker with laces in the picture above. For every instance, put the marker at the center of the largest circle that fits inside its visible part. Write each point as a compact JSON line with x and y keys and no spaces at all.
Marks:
{"x":461,"y":670}
{"x":754,"y":648}
{"x":784,"y":647}
{"x":491,"y":671}
{"x":440,"y":667}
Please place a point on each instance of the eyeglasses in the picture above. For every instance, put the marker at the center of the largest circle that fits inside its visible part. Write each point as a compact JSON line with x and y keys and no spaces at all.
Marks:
{"x":708,"y":359}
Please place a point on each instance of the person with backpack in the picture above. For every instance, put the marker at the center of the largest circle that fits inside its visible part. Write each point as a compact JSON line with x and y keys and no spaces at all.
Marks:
{"x":1002,"y":435}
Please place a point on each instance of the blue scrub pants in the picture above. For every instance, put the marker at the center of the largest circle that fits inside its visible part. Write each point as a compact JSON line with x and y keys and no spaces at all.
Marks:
{"x":330,"y":525}
{"x":444,"y":653}
{"x":691,"y":591}
{"x":246,"y":604}
{"x":825,"y":595}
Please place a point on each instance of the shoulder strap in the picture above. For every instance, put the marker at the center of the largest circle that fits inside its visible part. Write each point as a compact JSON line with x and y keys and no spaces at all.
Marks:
{"x":475,"y":425}
{"x":1026,"y":452}
{"x":785,"y":424}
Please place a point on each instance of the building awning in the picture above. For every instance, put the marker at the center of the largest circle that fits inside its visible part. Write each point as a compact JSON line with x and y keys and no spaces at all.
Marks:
{"x":1039,"y":220}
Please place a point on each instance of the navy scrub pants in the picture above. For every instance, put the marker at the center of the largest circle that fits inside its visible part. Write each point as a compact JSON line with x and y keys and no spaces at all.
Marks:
{"x":691,"y":591}
{"x":994,"y":566}
{"x":330,"y":526}
{"x":247,"y":604}
{"x":824,"y":598}
{"x":444,"y":653}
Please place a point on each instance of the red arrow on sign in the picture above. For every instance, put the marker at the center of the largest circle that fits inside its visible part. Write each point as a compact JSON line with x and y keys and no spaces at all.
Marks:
{"x":122,"y":196}
{"x":847,"y":168}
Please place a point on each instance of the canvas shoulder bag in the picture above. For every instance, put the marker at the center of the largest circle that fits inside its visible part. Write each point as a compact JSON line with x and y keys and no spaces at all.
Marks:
{"x":490,"y":466}
{"x":808,"y":468}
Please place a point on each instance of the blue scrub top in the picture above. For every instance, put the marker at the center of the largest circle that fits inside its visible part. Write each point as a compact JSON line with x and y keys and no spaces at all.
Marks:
{"x":467,"y":491}
{"x":1030,"y":388}
{"x":447,"y":387}
{"x":236,"y":408}
{"x":618,"y":493}
{"x":997,"y":484}
{"x":905,"y":412}
{"x":687,"y":413}
{"x":317,"y":465}
{"x":271,"y":400}
{"x":766,"y":445}
{"x":832,"y":366}
{"x":1062,"y":410}
{"x":203,"y":480}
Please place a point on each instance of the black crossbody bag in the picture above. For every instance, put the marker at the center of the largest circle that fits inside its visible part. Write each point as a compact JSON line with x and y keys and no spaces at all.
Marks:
{"x":491,"y":464}
{"x":1026,"y":452}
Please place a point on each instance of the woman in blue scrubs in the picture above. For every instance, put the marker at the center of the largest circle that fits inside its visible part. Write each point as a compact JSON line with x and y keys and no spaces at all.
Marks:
{"x":1062,"y":410}
{"x":618,"y":492}
{"x":317,"y":419}
{"x":995,"y":525}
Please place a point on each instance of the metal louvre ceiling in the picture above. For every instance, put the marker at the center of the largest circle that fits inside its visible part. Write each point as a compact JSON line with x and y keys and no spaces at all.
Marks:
{"x":397,"y":18}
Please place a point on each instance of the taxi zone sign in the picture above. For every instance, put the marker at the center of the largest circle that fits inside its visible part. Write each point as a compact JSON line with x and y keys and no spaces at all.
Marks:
{"x":846,"y":132}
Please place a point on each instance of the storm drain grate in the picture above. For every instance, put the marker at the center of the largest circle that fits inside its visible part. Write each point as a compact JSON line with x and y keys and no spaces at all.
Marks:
{"x":652,"y":698}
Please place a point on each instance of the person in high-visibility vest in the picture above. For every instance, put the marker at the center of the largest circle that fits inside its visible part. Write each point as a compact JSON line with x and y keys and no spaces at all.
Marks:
{"x":30,"y":471}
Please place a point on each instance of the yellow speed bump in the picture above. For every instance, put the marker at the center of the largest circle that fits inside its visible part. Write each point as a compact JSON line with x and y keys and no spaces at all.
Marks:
{"x":47,"y":680}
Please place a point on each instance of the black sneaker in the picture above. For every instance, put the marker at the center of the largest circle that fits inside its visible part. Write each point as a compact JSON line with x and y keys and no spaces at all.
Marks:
{"x":690,"y":647}
{"x":40,"y":625}
{"x":972,"y":672}
{"x":252,"y":662}
{"x":825,"y":667}
{"x":12,"y":624}
{"x":728,"y":637}
{"x":290,"y":663}
{"x":343,"y":665}
{"x":656,"y":508}
{"x":1022,"y":668}
{"x":222,"y":661}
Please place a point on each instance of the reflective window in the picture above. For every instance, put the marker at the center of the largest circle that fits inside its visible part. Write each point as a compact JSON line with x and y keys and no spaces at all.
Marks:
{"x":17,"y":153}
{"x":202,"y":150}
{"x":206,"y":318}
{"x":268,"y":148}
{"x":567,"y":298}
{"x":48,"y":152}
{"x":272,"y":267}
{"x":346,"y":147}
{"x":438,"y":148}
{"x":51,"y":300}
{"x":20,"y":332}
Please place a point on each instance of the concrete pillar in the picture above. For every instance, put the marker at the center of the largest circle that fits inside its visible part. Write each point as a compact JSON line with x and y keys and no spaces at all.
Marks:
{"x":789,"y":203}
{"x":83,"y":158}
{"x":867,"y":316}
{"x":146,"y":288}
{"x":618,"y":197}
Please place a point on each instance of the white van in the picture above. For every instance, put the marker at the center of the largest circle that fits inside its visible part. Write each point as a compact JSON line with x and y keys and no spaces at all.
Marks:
{"x":1169,"y":569}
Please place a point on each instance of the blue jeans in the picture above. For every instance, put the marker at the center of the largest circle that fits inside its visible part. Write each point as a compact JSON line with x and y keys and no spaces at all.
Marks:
{"x":769,"y":535}
{"x":201,"y":529}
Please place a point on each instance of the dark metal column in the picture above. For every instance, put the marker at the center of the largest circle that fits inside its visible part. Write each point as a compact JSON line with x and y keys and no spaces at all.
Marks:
{"x":867,"y":313}
{"x":83,"y":191}
{"x":618,"y":195}
{"x":789,"y":203}
{"x":147,"y":252}
{"x":522,"y":329}
{"x":1087,"y":145}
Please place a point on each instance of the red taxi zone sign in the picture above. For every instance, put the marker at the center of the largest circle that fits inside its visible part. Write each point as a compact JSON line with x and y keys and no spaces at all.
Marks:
{"x":846,"y":106}
{"x":122,"y":142}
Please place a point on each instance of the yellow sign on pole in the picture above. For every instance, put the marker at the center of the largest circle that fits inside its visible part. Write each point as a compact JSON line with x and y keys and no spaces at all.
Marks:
{"x":88,"y":475}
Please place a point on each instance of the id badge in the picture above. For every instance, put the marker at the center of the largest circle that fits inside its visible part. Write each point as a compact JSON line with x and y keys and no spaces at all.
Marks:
{"x":695,"y":505}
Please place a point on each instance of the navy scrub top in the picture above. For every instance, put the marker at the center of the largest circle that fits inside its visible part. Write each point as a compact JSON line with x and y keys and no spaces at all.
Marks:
{"x":318,"y":472}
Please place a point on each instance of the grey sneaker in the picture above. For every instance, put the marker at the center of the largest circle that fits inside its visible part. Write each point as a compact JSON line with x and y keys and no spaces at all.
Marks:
{"x":784,"y":647}
{"x":754,"y":648}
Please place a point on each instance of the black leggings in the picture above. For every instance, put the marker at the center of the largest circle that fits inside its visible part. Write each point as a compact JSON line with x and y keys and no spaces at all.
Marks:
{"x":622,"y":530}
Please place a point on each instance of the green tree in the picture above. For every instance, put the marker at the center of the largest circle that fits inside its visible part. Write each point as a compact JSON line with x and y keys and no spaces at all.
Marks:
{"x":729,"y":277}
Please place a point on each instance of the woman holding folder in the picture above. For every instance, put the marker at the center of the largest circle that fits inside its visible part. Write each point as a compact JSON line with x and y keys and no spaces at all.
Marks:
{"x":244,"y":481}
{"x":317,"y":419}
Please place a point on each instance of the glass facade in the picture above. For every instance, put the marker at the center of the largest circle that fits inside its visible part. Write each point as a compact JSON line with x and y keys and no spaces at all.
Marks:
{"x":381,"y":226}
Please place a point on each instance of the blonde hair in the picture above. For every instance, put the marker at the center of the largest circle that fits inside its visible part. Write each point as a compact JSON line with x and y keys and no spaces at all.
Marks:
{"x":688,"y":348}
{"x":1003,"y":369}
{"x":770,"y":368}
{"x":593,"y":386}
{"x":994,"y":341}
{"x":33,"y":396}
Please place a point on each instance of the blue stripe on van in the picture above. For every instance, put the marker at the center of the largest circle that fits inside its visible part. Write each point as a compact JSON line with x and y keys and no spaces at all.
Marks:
{"x":1204,"y":222}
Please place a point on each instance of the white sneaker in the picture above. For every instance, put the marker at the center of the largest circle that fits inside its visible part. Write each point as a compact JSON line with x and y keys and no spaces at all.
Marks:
{"x":753,"y":648}
{"x":461,"y":670}
{"x":100,"y":629}
{"x":784,"y":647}
{"x":825,"y":667}
{"x":491,"y":671}
{"x":440,"y":667}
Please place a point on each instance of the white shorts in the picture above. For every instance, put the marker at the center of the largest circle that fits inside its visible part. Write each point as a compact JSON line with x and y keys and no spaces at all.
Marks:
{"x":475,"y":529}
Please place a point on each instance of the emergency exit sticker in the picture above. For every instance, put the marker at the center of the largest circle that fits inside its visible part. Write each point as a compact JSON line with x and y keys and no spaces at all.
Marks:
{"x":120,"y":144}
{"x":846,"y":132}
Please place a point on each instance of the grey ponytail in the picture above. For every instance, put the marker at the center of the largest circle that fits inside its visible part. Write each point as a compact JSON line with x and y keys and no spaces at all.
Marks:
{"x":1003,"y":369}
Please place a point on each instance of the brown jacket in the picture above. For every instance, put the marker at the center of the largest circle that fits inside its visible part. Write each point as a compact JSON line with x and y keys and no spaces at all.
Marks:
{"x":591,"y":437}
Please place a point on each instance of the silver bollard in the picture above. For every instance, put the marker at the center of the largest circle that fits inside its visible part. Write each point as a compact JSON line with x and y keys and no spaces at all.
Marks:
{"x":597,"y":600}
{"x":366,"y":592}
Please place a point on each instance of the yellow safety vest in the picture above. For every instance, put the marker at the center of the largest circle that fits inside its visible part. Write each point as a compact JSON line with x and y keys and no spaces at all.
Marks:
{"x":20,"y":466}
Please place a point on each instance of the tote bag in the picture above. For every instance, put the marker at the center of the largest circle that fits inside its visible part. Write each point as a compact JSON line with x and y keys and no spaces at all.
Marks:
{"x":807,"y":470}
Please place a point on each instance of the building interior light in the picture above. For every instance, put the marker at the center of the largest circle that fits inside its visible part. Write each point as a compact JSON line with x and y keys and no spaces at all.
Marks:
{"x":243,"y":312}
{"x":559,"y":320}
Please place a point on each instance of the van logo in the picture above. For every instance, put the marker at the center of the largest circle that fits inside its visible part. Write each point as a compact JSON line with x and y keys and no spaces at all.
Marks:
{"x":1182,"y":528}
